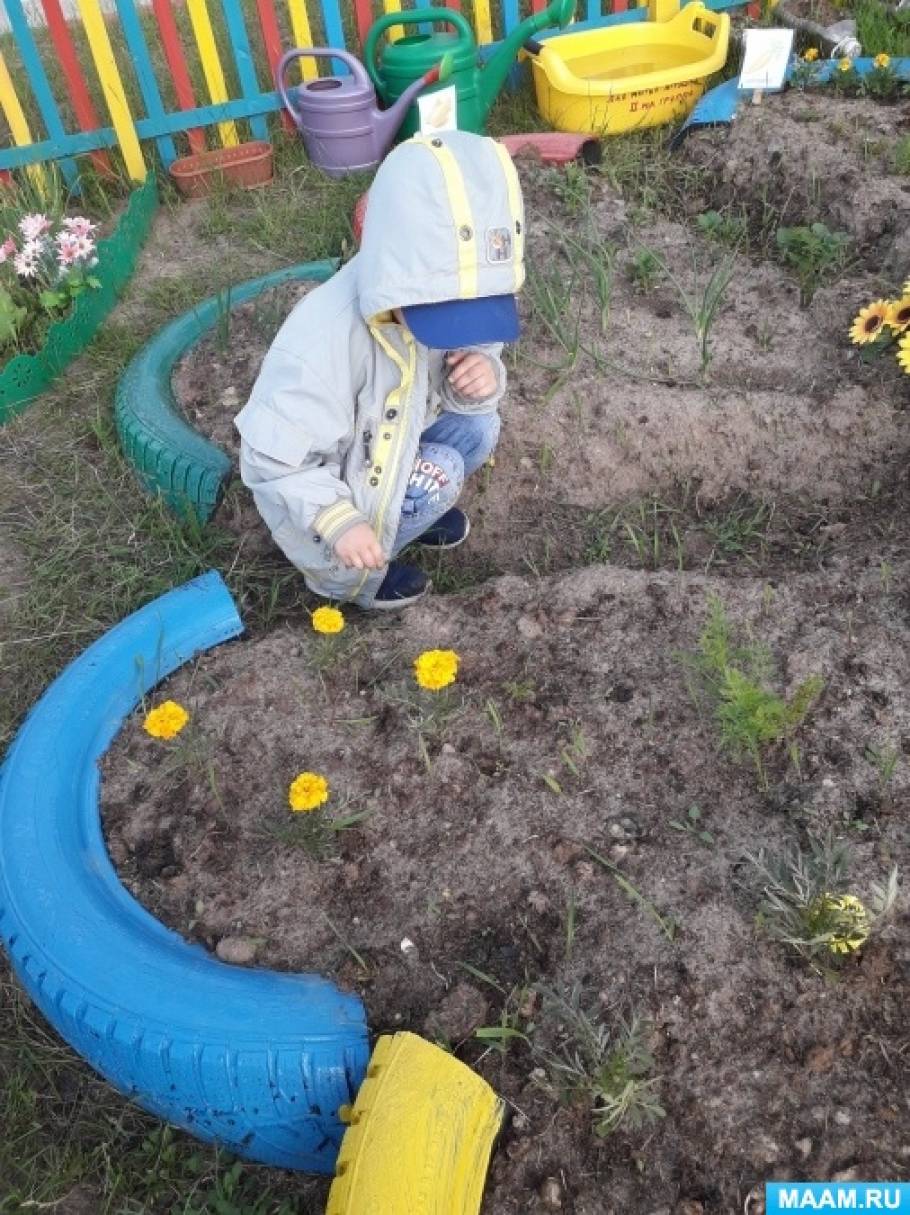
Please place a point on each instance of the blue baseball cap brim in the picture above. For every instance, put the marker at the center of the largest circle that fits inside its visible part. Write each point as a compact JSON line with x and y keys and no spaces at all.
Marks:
{"x":457,"y":323}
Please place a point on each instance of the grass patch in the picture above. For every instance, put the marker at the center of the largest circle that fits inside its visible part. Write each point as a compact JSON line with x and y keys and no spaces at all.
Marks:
{"x":882,"y":29}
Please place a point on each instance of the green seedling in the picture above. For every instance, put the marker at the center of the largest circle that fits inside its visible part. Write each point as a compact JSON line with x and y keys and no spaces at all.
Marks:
{"x":725,"y":229}
{"x":814,"y":253}
{"x":607,"y":1068}
{"x":644,"y":269}
{"x":514,"y":1012}
{"x":884,"y":760}
{"x":315,"y":832}
{"x":692,"y":825}
{"x":804,"y":902}
{"x":751,"y":717}
{"x":900,"y":157}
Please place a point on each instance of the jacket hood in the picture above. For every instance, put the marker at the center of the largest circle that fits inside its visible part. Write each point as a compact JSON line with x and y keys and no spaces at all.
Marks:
{"x":445,"y":221}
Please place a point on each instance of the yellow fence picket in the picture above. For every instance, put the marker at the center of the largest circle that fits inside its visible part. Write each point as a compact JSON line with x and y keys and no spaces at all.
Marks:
{"x":112,"y":87}
{"x":211,"y":65}
{"x":18,"y":123}
{"x":303,"y":36}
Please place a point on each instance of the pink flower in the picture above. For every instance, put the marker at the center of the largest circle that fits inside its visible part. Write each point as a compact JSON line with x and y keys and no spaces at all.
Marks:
{"x":78,"y":225}
{"x":7,"y":249}
{"x":73,"y":248}
{"x":25,"y":265}
{"x":33,"y":226}
{"x":67,"y":251}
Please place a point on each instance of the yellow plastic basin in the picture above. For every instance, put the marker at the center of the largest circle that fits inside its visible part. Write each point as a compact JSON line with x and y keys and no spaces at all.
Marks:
{"x":627,"y":76}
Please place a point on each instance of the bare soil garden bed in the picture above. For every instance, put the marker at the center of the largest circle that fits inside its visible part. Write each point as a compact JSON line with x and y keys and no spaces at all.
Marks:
{"x":529,"y":832}
{"x":571,"y":729}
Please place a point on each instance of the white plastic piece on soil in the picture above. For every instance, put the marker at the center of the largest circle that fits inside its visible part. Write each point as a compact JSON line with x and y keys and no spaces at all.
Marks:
{"x":408,"y":948}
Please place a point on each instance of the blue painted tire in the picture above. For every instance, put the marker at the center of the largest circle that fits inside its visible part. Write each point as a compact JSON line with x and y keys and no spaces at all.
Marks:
{"x":254,"y":1060}
{"x":169,"y":456}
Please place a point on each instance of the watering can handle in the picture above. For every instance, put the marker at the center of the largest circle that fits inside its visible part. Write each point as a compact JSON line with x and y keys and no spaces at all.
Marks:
{"x":562,"y":12}
{"x":414,"y":16}
{"x":315,"y":52}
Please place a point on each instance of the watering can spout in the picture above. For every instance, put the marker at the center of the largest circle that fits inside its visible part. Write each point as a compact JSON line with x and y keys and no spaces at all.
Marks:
{"x":387,"y":122}
{"x":491,"y":79}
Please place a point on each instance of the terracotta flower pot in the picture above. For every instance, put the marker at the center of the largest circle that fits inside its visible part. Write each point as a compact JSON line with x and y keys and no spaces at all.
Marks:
{"x":247,"y":165}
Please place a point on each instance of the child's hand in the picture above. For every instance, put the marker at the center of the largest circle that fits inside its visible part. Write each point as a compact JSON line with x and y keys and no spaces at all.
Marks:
{"x":472,"y":374}
{"x":359,"y":549}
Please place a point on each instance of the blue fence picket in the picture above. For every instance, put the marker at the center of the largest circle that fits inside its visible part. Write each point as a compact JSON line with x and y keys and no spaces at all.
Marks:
{"x":41,"y":88}
{"x":243,"y":57}
{"x":145,"y":74}
{"x":334,"y":31}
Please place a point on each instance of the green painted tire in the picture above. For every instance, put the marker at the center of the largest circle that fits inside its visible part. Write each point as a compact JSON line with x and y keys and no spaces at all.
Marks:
{"x":172,"y":459}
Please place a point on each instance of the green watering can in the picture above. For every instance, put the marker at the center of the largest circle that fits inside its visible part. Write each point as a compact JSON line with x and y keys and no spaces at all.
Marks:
{"x":477,"y":87}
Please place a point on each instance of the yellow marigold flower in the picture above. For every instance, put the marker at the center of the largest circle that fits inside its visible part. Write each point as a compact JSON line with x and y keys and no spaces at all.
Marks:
{"x":842,"y":916}
{"x":435,"y":669}
{"x":899,"y":313}
{"x":308,"y":791}
{"x":845,"y":65}
{"x":869,"y":323}
{"x":903,"y":353}
{"x":811,"y":54}
{"x":166,"y":720}
{"x":327,"y":620}
{"x":882,"y":60}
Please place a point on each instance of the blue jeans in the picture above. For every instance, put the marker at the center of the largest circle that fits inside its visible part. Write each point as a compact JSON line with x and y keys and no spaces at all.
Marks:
{"x":450,"y":450}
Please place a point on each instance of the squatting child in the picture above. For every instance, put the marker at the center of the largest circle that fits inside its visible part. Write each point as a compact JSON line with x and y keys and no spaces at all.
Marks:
{"x":379,"y":394}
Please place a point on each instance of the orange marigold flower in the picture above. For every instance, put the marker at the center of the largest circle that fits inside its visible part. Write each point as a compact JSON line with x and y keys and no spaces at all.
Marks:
{"x":308,"y":791}
{"x":166,"y":720}
{"x":435,"y":669}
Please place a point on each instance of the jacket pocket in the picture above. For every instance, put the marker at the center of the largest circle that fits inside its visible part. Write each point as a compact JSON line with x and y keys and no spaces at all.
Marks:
{"x":273,"y":435}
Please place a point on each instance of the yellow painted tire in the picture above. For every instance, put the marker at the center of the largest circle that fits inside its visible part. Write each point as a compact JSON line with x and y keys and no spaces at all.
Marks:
{"x":419,"y":1136}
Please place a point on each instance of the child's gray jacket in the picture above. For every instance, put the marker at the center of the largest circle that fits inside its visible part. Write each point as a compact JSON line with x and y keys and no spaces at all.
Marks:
{"x":330,"y":432}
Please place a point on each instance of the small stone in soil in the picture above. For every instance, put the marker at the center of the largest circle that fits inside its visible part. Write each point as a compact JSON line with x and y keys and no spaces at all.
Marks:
{"x":458,"y":1015}
{"x":551,"y":1194}
{"x":240,"y":951}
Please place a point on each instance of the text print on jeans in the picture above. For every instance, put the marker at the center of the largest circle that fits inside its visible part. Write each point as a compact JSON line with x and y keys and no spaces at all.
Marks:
{"x":425,"y":484}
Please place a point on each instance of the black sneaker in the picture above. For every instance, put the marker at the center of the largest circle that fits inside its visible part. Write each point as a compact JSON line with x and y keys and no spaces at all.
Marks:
{"x":448,"y":531}
{"x":402,"y":586}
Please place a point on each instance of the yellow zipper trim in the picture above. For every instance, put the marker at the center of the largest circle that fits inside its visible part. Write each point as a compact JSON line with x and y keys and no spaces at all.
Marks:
{"x":518,"y":228}
{"x":388,"y":452}
{"x":466,"y":237}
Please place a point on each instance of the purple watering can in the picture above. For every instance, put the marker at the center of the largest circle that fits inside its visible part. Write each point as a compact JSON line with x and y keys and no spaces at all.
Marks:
{"x":343,"y":128}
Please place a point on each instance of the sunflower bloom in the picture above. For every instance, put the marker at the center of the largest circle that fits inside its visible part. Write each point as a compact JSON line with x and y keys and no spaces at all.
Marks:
{"x":308,"y":791}
{"x":882,"y":60}
{"x":328,"y":620}
{"x":903,"y":353}
{"x":845,"y":65}
{"x":166,"y":720}
{"x":435,"y":669}
{"x":869,"y":323}
{"x":899,"y":314}
{"x":843,"y":918}
{"x":811,"y":54}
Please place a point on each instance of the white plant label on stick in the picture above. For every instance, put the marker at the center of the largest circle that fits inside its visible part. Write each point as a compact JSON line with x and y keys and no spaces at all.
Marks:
{"x":765,"y":59}
{"x":438,"y":111}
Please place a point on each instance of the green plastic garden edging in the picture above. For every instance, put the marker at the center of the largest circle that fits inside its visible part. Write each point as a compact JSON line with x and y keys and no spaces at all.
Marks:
{"x":27,"y":375}
{"x":170,"y":457}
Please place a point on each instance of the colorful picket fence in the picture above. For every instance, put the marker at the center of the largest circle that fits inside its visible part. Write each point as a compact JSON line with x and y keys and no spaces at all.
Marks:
{"x":150,"y":35}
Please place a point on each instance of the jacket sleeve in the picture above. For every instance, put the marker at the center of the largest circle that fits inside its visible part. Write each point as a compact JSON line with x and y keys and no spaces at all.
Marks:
{"x":457,"y":403}
{"x":294,"y":434}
